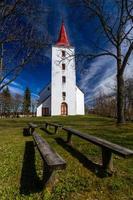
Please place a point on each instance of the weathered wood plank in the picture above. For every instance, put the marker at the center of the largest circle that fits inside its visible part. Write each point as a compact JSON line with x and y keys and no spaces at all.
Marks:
{"x":117,"y":149}
{"x":53,"y":124}
{"x":56,"y":126}
{"x":53,"y":160}
{"x":32,"y":125}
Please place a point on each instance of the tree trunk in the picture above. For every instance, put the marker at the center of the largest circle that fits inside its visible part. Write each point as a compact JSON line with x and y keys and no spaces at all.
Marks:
{"x":120,"y":86}
{"x":120,"y":98}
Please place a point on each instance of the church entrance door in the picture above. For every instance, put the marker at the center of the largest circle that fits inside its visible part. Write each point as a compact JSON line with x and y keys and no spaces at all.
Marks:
{"x":64,"y":109}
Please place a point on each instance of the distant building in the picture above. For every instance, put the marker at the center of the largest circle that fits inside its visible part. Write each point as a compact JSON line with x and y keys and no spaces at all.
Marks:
{"x":62,"y":96}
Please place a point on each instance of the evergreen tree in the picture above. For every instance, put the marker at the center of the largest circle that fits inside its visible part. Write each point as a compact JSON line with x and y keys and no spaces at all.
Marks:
{"x":27,"y":101}
{"x":6,"y":101}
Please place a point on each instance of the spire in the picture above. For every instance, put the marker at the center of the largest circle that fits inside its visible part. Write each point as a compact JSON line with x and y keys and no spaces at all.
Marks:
{"x":63,"y":38}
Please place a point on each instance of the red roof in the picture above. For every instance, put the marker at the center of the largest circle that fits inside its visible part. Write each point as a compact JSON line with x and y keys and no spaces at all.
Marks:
{"x":63,"y":38}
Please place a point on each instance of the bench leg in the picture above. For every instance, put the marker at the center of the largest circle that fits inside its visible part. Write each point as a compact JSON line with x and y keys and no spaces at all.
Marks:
{"x":56,"y":128}
{"x":46,"y":125}
{"x":32,"y":130}
{"x":107,"y":161}
{"x":48,"y":177}
{"x":26,"y":131}
{"x":69,"y":138}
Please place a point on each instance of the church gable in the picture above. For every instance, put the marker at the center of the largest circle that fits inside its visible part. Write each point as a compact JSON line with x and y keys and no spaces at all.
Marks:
{"x":45,"y":93}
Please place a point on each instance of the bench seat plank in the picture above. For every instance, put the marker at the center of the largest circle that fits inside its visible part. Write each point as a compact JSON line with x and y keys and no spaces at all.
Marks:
{"x":117,"y":149}
{"x":53,"y":124}
{"x":56,"y":126}
{"x":53,"y":160}
{"x":32,"y":125}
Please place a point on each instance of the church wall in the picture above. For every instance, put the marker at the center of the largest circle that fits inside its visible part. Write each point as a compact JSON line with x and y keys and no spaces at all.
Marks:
{"x":57,"y":86}
{"x":80,"y":108}
{"x":47,"y":104}
{"x":39,"y":111}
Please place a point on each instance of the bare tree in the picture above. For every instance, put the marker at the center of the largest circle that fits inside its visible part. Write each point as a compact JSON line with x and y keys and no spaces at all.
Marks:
{"x":34,"y":103}
{"x":129,"y":8}
{"x":114,"y":19}
{"x":16,"y":105}
{"x":105,"y":105}
{"x":19,"y":40}
{"x":129,"y":99}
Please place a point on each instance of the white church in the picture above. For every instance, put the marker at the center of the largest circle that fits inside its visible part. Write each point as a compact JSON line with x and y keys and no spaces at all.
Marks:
{"x":62,"y":96}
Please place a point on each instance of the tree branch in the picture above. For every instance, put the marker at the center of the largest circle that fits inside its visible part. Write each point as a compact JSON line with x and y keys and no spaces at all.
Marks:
{"x":130,"y":49}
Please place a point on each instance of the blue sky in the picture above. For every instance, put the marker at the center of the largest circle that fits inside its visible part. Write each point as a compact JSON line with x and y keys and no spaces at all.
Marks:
{"x":93,"y":77}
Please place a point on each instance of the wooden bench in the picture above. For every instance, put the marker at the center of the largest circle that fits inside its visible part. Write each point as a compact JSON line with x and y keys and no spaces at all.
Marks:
{"x":48,"y":124}
{"x":52,"y":161}
{"x":32,"y":127}
{"x":107,"y":148}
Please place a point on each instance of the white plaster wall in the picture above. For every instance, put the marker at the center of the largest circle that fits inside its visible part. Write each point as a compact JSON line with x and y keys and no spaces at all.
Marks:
{"x":80,"y":102}
{"x":57,"y":87}
{"x":39,"y":110}
{"x":47,"y":104}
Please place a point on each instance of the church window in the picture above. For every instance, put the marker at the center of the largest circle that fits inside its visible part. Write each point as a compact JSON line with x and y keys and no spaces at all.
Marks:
{"x":45,"y":111}
{"x":63,"y":53}
{"x":63,"y":95}
{"x":63,"y":66}
{"x":63,"y":79}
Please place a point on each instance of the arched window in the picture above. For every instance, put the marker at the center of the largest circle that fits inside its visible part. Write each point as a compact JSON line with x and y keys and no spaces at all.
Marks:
{"x":64,"y":109}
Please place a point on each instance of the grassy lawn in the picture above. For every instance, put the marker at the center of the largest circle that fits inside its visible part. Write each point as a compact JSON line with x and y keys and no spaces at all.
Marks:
{"x":21,"y":165}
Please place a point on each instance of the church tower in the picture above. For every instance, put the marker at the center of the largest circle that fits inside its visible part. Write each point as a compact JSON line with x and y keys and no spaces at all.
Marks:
{"x":63,"y":80}
{"x":62,"y":96}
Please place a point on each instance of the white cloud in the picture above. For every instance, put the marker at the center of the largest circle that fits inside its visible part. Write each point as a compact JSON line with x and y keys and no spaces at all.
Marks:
{"x":129,"y":69}
{"x":34,"y":96}
{"x":15,"y":84}
{"x":14,"y":90}
{"x":17,"y":88}
{"x":105,"y":69}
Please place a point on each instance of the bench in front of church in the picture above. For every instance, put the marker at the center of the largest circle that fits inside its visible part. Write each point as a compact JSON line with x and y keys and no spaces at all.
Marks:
{"x":52,"y":160}
{"x":27,"y":131}
{"x":46,"y":125}
{"x":32,"y":127}
{"x":107,"y":148}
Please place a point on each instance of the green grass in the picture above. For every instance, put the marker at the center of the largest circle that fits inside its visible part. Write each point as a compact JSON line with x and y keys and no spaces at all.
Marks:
{"x":21,"y":166}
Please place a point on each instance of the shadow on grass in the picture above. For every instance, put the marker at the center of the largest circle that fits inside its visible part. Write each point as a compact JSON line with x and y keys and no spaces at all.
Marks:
{"x":93,"y":167}
{"x":26,"y":132}
{"x":29,"y":182}
{"x":47,"y":131}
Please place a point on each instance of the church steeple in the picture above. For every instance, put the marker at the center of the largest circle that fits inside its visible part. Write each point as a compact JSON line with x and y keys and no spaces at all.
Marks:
{"x":63,"y":38}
